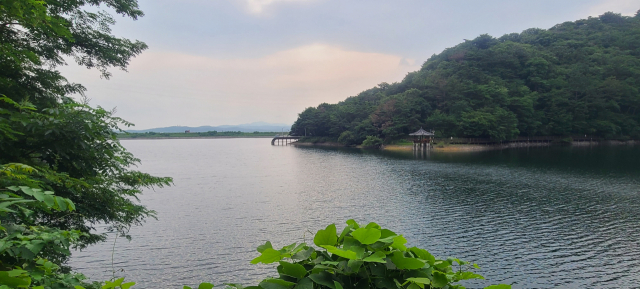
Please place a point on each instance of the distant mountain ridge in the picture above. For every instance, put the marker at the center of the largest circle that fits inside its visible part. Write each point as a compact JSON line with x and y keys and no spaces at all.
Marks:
{"x":247,"y":127}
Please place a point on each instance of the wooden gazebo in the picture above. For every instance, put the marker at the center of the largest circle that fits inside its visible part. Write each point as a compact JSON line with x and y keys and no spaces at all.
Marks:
{"x":422,"y":138}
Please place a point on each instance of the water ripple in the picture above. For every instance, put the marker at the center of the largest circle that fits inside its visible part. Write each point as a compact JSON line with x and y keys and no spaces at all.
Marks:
{"x":524,"y":216}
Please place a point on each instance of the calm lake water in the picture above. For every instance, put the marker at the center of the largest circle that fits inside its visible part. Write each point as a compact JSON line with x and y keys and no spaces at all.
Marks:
{"x":559,"y":217}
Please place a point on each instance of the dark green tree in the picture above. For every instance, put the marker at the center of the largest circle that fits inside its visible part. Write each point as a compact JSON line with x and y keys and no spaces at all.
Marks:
{"x":72,"y":146}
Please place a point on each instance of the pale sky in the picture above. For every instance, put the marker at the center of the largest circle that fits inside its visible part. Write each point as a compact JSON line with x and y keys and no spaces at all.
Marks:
{"x":216,"y":62}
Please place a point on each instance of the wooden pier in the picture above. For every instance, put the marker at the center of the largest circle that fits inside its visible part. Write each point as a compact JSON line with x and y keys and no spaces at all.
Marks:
{"x":284,"y":140}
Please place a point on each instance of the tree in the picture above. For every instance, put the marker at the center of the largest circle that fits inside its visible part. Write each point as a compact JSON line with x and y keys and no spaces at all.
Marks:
{"x":36,"y":36}
{"x":347,"y":138}
{"x":72,"y":145}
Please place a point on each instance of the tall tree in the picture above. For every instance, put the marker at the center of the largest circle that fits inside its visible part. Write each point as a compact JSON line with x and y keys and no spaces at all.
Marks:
{"x":72,"y":145}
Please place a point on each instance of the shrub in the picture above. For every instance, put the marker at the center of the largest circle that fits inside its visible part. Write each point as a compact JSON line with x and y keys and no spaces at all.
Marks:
{"x":372,"y":141}
{"x":361,"y":257}
{"x":347,"y":138}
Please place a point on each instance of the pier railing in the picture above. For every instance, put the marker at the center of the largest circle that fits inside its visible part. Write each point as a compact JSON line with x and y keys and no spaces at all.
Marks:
{"x":284,"y":140}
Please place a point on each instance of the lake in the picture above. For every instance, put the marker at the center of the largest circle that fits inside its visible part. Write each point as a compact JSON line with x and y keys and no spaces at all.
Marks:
{"x":549,"y":217}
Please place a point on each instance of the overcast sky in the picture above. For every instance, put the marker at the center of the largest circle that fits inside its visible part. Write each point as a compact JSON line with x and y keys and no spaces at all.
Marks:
{"x":215,"y":62}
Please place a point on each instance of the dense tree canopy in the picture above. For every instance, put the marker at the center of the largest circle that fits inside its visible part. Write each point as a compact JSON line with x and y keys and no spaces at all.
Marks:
{"x":37,"y":36}
{"x":71,"y":145}
{"x":575,"y":78}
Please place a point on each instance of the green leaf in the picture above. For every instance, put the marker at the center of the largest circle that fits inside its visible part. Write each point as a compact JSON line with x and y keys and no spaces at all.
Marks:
{"x":205,"y":285}
{"x":276,"y":284}
{"x":345,"y":231}
{"x":354,"y":265}
{"x":337,"y":284}
{"x":305,"y":283}
{"x":425,"y":281}
{"x":326,"y":237}
{"x":263,"y":247}
{"x":299,"y":248}
{"x":366,"y":236}
{"x":113,"y":284}
{"x":406,"y":263}
{"x":48,"y":199}
{"x":35,"y":246}
{"x":287,"y":249}
{"x":398,"y":243}
{"x":71,"y":205}
{"x":323,"y":278}
{"x":293,"y":270}
{"x":386,"y":283}
{"x":378,"y":257}
{"x":27,"y":190}
{"x":62,"y":203}
{"x":186,"y":287}
{"x":423,"y":254}
{"x":39,"y":195}
{"x":16,"y":272}
{"x":127,"y":285}
{"x":341,"y":252}
{"x":498,"y":286}
{"x":268,"y":256}
{"x":373,"y":225}
{"x":468,"y":275}
{"x":353,"y":223}
{"x":303,"y":255}
{"x":439,"y":279}
{"x":384,"y":233}
{"x":441,"y":265}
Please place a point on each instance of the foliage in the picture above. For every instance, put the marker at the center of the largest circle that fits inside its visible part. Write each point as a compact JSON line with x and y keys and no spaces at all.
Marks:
{"x":73,"y":147}
{"x":49,"y":142}
{"x":73,"y":151}
{"x":24,"y":248}
{"x":36,"y":36}
{"x":372,"y":141}
{"x":314,"y":139}
{"x":347,"y":138}
{"x":575,"y":78}
{"x":360,"y":257}
{"x":31,"y":254}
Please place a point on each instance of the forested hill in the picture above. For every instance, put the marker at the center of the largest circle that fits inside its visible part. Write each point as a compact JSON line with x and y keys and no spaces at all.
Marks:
{"x":575,"y":78}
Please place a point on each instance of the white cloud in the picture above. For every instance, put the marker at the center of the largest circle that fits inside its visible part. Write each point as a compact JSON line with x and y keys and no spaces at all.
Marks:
{"x":258,"y":6}
{"x":166,"y":88}
{"x":624,"y":7}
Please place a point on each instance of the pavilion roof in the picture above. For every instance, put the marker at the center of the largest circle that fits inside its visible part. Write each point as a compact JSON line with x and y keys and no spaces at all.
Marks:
{"x":422,"y":132}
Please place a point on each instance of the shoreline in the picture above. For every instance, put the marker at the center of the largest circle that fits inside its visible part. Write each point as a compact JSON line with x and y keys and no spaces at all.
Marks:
{"x":461,"y":148}
{"x":318,"y":144}
{"x":195,"y":137}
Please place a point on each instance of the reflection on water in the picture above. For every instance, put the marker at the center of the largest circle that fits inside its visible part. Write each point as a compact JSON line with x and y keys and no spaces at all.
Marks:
{"x":545,"y":217}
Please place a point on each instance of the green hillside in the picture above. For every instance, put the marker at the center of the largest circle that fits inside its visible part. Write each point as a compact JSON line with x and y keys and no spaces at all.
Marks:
{"x":575,"y":78}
